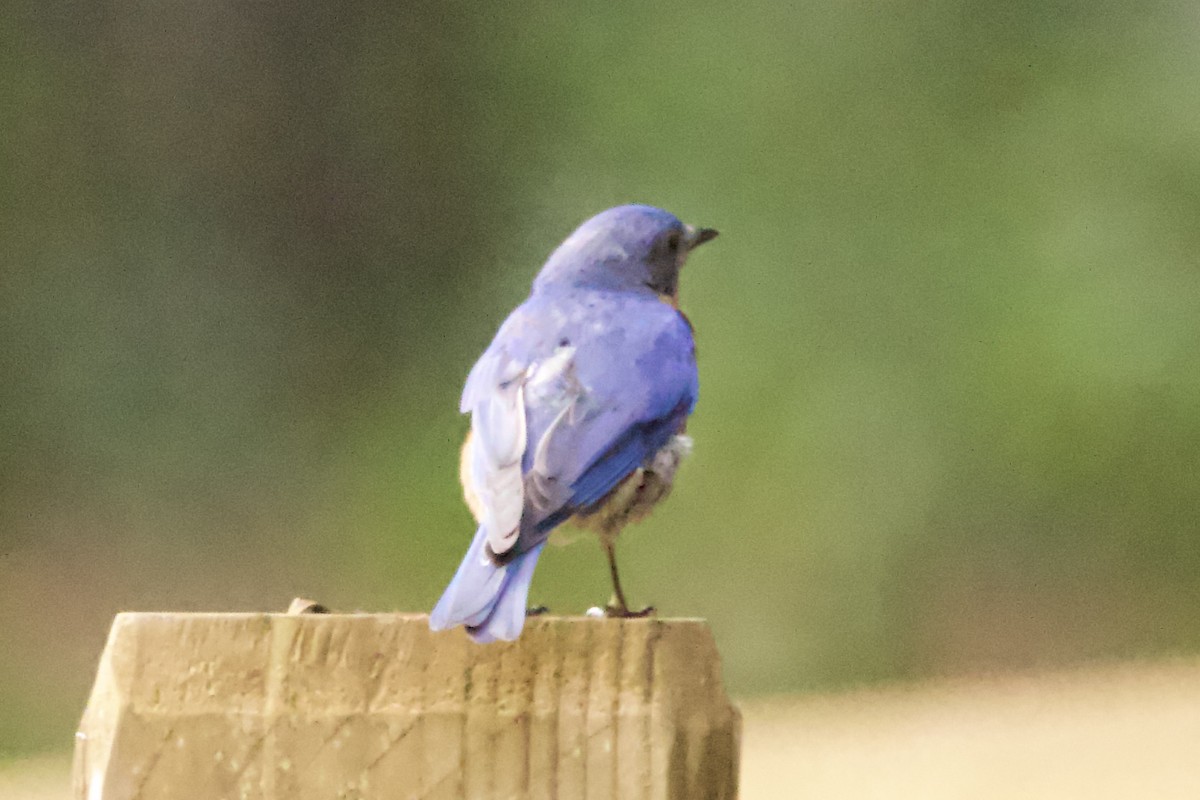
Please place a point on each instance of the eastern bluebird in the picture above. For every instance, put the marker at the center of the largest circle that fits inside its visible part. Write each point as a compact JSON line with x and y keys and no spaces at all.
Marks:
{"x":578,"y":410}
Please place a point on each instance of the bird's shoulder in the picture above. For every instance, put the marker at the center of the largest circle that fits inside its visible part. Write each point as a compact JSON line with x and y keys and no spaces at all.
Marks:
{"x":615,"y":322}
{"x":605,"y":332}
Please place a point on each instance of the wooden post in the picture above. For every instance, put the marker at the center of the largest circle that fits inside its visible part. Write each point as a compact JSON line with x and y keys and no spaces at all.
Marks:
{"x":325,"y":706}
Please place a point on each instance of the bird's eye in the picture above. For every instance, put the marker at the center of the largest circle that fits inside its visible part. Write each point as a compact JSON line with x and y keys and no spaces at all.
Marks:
{"x":673,"y":243}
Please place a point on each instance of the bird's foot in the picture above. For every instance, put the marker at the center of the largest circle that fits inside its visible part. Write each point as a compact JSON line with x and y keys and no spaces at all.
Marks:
{"x":536,"y":611}
{"x":622,"y":612}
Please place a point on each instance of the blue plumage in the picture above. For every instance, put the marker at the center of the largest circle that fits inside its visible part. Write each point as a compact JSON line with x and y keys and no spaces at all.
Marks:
{"x":584,"y":390}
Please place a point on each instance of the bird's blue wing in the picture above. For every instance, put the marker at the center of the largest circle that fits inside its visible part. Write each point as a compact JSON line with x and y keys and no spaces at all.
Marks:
{"x":586,"y":414}
{"x":569,"y":409}
{"x":647,"y":408}
{"x":635,"y":447}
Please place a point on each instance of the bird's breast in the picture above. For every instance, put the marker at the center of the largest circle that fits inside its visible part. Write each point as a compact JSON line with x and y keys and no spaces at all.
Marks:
{"x":636,"y":496}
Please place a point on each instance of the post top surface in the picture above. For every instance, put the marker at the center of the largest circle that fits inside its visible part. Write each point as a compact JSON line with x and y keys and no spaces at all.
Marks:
{"x":399,"y":617}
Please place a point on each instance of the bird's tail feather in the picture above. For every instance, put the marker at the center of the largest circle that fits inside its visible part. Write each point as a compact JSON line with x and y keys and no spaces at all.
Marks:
{"x":488,"y":599}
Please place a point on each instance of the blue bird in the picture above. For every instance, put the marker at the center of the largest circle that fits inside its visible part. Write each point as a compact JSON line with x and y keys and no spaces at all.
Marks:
{"x":578,"y":411}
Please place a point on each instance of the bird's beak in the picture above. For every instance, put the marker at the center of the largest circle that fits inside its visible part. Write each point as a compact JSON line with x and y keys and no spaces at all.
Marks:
{"x":698,"y":236}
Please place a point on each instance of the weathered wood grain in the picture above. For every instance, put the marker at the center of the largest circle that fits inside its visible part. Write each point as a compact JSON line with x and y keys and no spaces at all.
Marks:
{"x":249,"y":706}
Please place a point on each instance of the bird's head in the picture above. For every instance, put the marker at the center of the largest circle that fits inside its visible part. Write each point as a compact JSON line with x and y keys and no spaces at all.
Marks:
{"x":627,"y":248}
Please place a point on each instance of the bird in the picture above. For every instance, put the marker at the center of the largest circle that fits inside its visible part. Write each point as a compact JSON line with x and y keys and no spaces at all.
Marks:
{"x":579,"y":411}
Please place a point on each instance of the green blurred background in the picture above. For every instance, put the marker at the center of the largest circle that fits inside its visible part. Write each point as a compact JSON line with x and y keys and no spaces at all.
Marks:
{"x":949,"y":338}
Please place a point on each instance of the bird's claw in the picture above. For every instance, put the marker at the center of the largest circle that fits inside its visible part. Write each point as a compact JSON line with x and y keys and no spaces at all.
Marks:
{"x":621,"y":612}
{"x":536,"y":611}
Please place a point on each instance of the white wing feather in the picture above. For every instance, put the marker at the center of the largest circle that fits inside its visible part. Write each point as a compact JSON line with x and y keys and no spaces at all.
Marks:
{"x":499,"y":437}
{"x":498,"y":443}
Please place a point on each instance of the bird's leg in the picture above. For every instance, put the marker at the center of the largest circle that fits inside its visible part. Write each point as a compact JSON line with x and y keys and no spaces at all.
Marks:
{"x":617,"y":604}
{"x":536,"y":611}
{"x":617,"y":607}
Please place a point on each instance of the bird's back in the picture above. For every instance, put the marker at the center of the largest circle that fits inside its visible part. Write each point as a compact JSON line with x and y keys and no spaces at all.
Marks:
{"x":599,"y":366}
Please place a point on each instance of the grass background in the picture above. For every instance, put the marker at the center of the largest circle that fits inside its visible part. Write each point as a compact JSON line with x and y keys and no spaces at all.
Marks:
{"x":949,"y":338}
